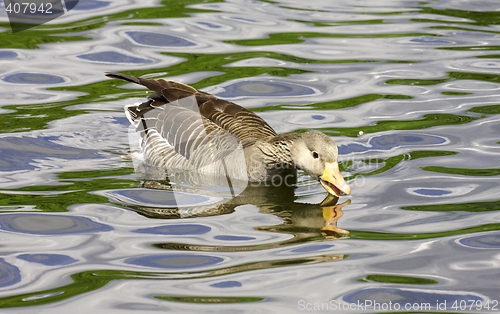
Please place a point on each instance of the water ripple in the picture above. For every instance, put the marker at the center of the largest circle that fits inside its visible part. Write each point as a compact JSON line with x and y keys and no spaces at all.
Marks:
{"x":179,"y":229}
{"x":409,"y":94}
{"x":226,"y":284}
{"x":233,"y":238}
{"x":257,"y":88}
{"x":159,"y":40}
{"x":6,"y":54}
{"x":48,"y":259}
{"x":44,"y":224}
{"x":33,"y":78}
{"x":21,"y":152}
{"x":113,"y":57}
{"x":489,"y":240}
{"x":9,"y":274}
{"x":159,"y":198}
{"x":175,"y":261}
{"x":393,"y":140}
{"x":403,"y":296}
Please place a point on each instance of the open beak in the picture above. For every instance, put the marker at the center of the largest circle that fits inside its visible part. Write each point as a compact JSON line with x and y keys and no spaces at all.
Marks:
{"x":333,"y":181}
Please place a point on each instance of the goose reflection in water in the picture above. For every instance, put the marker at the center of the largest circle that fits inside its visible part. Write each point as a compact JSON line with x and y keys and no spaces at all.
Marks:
{"x":303,"y":220}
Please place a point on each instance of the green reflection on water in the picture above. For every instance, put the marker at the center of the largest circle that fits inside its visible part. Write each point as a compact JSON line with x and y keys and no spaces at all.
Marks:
{"x":47,"y":33}
{"x":335,"y":104}
{"x":300,"y":37}
{"x":91,"y":280}
{"x":107,"y":90}
{"x":482,"y":18}
{"x":142,"y":23}
{"x":221,"y":63}
{"x":95,"y":173}
{"x":392,"y":161}
{"x":471,"y":48}
{"x":34,"y":117}
{"x":457,"y":207}
{"x":31,"y":39}
{"x":373,"y":235}
{"x":427,"y":121}
{"x":490,"y":56}
{"x":456,"y":93}
{"x":74,"y":189}
{"x":486,"y":77}
{"x":474,"y":172}
{"x":488,"y":109}
{"x":398,"y":279}
{"x":209,"y":299}
{"x":28,"y":117}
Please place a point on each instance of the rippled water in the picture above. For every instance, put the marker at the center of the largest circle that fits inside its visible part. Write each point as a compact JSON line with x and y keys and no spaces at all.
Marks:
{"x":408,"y":89}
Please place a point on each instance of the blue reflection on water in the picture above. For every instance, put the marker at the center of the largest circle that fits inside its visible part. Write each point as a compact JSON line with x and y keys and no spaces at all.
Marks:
{"x":267,"y":88}
{"x":33,"y":78}
{"x":393,"y":140}
{"x":19,"y":153}
{"x":48,"y":259}
{"x":312,"y":248}
{"x":181,"y":229}
{"x":318,"y":117}
{"x":159,"y":40}
{"x":174,"y":261}
{"x":122,"y":121}
{"x":431,"y":40}
{"x":490,"y":240}
{"x":85,"y":5}
{"x":113,"y":57}
{"x":44,"y":224}
{"x":9,"y":274}
{"x":352,"y":148}
{"x":208,"y":24}
{"x":237,"y":18}
{"x":227,"y":284}
{"x":6,"y":54}
{"x":432,"y":192}
{"x":233,"y":238}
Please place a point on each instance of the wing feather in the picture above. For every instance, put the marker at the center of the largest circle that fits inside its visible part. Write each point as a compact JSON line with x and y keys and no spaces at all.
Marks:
{"x":238,"y":121}
{"x":186,"y":129}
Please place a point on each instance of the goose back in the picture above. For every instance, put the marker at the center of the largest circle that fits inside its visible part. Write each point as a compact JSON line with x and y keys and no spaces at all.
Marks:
{"x":238,"y":121}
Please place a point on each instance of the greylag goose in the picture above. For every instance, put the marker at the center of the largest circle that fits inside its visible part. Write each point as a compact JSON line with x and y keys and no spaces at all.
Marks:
{"x":186,"y":129}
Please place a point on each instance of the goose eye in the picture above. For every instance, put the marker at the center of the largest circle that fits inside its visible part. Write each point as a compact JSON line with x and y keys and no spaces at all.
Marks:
{"x":315,"y":155}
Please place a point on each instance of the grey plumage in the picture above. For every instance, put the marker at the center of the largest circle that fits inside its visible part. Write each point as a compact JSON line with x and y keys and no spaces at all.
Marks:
{"x":186,"y":129}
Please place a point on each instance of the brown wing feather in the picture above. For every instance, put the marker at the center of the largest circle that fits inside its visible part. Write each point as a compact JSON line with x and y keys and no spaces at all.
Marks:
{"x":241,"y":122}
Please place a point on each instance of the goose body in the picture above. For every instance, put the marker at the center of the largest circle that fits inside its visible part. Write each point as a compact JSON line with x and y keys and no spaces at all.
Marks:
{"x":184,"y":129}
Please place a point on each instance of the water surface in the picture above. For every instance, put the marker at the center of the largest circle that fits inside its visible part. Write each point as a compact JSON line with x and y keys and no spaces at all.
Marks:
{"x":408,"y":89}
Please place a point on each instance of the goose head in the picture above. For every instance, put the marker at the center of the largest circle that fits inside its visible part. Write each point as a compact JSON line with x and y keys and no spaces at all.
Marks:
{"x":317,"y":154}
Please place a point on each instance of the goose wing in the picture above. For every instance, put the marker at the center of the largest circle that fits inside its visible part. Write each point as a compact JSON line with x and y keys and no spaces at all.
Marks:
{"x":174,"y":134}
{"x":241,"y":122}
{"x":176,"y":137}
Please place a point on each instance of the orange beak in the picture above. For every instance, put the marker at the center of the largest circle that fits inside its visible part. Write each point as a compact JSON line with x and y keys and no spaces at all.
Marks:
{"x":333,"y":181}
